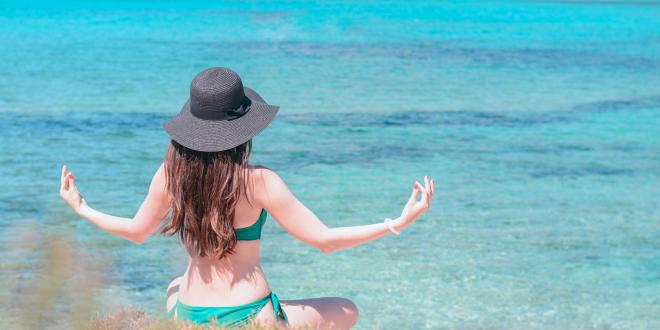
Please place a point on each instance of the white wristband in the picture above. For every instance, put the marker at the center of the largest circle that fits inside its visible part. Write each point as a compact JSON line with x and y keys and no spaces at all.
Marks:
{"x":388,"y":224}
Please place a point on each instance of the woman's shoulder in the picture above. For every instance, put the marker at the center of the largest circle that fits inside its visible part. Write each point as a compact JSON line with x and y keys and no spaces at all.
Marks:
{"x":266,"y":182}
{"x":263,"y":175}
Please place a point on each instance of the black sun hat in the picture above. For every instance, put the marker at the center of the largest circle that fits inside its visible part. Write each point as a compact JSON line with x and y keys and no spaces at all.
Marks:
{"x":220,"y":113}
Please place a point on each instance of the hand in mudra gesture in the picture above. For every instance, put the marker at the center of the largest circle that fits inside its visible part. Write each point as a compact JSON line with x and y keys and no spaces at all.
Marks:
{"x":69,"y":191}
{"x":416,"y":206}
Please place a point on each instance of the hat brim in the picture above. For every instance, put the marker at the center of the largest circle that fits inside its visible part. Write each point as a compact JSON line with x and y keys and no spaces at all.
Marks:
{"x":218,"y":135}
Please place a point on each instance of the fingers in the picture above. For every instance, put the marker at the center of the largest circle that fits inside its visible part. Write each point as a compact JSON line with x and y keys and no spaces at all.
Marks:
{"x":66,"y":184}
{"x":62,"y":177}
{"x":425,"y":195}
{"x":427,"y":190}
{"x":415,"y":193}
{"x":72,"y":182}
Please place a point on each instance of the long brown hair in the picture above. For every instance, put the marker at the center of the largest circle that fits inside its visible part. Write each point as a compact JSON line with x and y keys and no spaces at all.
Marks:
{"x":204,"y":188}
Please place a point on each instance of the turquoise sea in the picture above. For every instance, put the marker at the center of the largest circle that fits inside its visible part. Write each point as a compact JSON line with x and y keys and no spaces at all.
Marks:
{"x":539,"y":119}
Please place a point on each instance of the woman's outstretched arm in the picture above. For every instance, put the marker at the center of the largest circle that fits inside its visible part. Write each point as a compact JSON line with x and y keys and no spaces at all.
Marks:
{"x":147,"y":219}
{"x":303,"y":224}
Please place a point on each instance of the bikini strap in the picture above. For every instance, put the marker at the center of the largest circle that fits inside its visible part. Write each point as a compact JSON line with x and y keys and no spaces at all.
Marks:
{"x":277,"y":307}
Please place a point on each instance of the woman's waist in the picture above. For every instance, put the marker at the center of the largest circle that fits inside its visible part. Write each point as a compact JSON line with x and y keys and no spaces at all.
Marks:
{"x":223,"y":287}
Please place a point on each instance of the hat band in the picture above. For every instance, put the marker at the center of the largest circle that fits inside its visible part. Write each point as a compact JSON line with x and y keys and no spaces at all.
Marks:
{"x":221,"y":114}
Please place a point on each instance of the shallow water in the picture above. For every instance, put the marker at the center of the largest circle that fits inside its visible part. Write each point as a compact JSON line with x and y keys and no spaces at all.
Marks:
{"x":539,"y":119}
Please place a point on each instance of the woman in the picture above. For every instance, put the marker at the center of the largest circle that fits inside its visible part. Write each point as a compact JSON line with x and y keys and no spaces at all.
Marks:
{"x":215,"y":196}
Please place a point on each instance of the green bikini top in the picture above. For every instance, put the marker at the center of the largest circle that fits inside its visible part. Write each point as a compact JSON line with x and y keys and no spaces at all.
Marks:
{"x":253,"y":232}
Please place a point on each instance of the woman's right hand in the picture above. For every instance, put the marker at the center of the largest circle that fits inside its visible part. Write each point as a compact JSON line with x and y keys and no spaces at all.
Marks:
{"x":415,"y":208}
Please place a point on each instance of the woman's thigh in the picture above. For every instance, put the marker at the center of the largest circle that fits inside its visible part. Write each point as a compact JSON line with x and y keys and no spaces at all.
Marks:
{"x":321,"y":313}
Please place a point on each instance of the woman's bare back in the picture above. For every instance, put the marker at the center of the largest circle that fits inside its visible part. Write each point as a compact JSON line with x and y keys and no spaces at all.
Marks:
{"x":237,"y":278}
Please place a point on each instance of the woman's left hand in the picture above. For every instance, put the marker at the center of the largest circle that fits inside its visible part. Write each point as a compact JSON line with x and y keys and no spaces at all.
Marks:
{"x":69,"y":191}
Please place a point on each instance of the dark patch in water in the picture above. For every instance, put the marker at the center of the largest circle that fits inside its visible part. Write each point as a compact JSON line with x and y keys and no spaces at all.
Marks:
{"x":581,"y":171}
{"x":98,"y":122}
{"x":470,"y":118}
{"x":421,"y":118}
{"x":554,"y":149}
{"x":437,"y":51}
{"x":620,"y":105}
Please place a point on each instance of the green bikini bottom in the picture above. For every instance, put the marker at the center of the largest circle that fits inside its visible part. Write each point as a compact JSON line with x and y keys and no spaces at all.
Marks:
{"x":231,"y":317}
